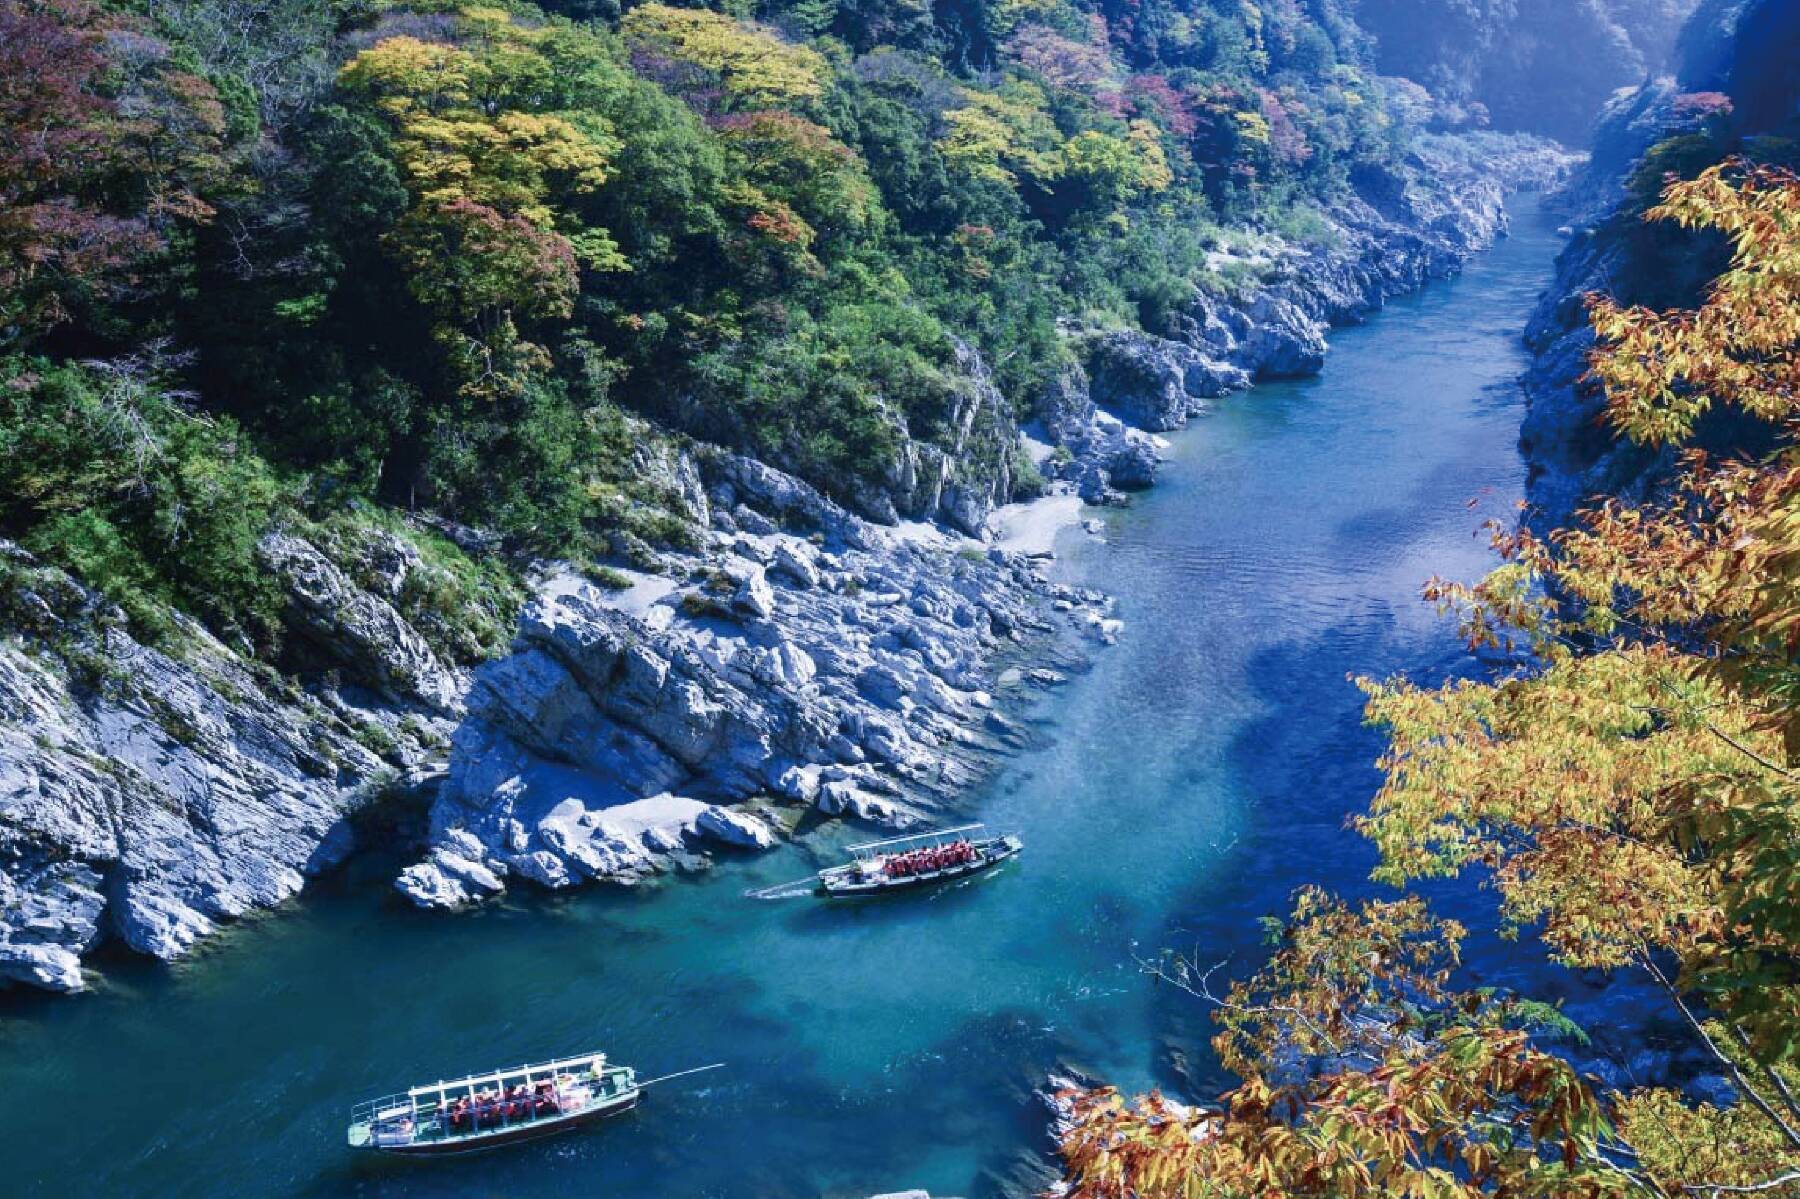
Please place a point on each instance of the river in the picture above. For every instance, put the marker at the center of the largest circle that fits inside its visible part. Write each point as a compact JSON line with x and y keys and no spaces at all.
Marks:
{"x":1187,"y":784}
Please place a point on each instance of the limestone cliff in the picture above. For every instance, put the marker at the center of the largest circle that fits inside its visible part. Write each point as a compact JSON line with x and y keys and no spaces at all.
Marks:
{"x":800,"y":658}
{"x":149,"y":793}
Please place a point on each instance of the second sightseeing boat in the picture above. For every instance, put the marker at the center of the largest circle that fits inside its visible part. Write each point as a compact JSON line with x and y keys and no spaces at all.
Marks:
{"x":923,"y":859}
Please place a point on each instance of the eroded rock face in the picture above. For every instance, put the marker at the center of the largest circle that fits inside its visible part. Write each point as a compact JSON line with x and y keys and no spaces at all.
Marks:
{"x":823,"y":663}
{"x":1569,"y":451}
{"x":357,"y":629}
{"x":964,"y":471}
{"x":149,"y":794}
{"x":1155,"y":383}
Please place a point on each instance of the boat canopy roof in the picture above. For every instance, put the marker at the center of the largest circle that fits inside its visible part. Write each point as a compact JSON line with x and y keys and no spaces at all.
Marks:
{"x":563,"y":1065}
{"x":900,"y":844}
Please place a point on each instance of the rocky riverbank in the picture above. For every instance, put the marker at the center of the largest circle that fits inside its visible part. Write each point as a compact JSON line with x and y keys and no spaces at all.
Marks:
{"x":800,"y":657}
{"x":1276,"y":301}
{"x":802,"y":660}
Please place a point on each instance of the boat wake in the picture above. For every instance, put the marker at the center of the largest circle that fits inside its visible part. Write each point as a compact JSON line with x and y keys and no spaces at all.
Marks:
{"x":800,"y":888}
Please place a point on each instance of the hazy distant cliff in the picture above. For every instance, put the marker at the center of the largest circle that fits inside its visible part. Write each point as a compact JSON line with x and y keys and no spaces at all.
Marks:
{"x":1539,"y":65}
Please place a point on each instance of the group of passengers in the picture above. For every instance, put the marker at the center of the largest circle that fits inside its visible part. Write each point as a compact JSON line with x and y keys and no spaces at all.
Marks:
{"x":930,"y":858}
{"x":487,"y":1107}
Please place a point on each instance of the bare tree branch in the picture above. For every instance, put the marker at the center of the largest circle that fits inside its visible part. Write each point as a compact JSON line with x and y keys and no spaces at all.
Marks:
{"x":1737,"y":1075}
{"x":1749,"y":1188}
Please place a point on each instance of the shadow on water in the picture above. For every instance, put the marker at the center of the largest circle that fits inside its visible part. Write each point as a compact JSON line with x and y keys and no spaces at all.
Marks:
{"x":1174,"y":793}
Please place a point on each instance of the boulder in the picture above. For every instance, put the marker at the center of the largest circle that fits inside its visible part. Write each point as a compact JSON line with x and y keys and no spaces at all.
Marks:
{"x":1132,"y":461}
{"x":1283,"y":342}
{"x":447,"y":879}
{"x":796,"y":561}
{"x":754,"y":595}
{"x":739,"y":829}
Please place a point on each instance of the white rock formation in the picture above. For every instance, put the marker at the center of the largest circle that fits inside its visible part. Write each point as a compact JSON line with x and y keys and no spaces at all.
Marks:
{"x":840,"y":671}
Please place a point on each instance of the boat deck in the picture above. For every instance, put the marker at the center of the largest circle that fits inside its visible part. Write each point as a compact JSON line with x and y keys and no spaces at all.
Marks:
{"x":867,"y":874}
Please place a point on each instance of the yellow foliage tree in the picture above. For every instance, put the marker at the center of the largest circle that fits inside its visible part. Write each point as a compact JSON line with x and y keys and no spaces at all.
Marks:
{"x":1000,"y":135}
{"x":491,"y":236}
{"x":1634,"y":796}
{"x":755,"y":67}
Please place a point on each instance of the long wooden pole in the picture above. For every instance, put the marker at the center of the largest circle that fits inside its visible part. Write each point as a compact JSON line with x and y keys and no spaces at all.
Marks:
{"x":681,"y":1074}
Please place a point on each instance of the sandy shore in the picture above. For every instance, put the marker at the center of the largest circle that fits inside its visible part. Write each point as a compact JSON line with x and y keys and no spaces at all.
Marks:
{"x":1032,"y":527}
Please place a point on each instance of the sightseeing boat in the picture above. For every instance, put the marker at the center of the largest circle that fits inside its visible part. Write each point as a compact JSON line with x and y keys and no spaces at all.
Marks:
{"x":921,"y":860}
{"x":500,"y":1107}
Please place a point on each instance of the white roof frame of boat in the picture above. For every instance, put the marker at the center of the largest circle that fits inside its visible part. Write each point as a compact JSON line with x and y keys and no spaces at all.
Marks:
{"x":859,"y":850}
{"x":494,"y":1077}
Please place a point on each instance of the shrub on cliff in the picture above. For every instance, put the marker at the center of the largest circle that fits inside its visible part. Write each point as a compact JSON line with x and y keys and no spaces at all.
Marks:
{"x":109,"y":475}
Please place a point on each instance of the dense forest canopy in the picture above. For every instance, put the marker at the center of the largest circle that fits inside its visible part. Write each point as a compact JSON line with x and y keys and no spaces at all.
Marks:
{"x":267,"y":259}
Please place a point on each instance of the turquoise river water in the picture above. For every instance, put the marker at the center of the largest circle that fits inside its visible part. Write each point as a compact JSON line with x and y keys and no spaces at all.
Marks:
{"x":1188,"y":783}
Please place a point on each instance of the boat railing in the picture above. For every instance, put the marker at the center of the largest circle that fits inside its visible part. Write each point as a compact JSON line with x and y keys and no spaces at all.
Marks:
{"x":968,"y":832}
{"x":387,"y":1106}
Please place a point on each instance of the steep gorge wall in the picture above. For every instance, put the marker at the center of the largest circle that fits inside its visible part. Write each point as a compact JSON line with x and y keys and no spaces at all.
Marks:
{"x":1544,"y":66}
{"x":797,"y":658}
{"x":1744,"y":49}
{"x":773,"y":647}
